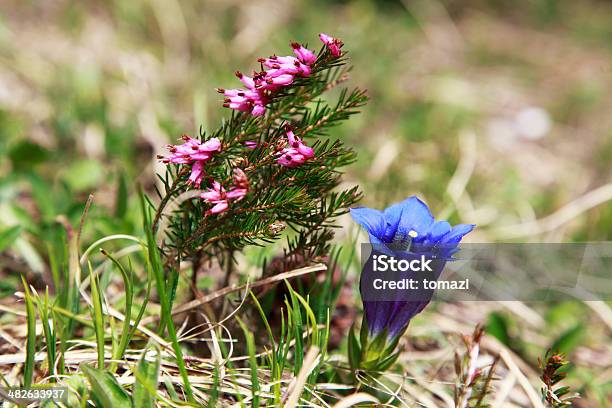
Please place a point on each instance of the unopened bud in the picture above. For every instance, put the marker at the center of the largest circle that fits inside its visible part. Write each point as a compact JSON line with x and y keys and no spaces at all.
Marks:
{"x":240,"y":179}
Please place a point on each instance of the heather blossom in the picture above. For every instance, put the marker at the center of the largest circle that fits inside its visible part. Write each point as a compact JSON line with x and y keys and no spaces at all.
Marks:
{"x":220,"y":197}
{"x":195,"y":153}
{"x":241,"y":185}
{"x":304,"y":54}
{"x":296,"y":153}
{"x":216,"y":195}
{"x":332,"y":44}
{"x":259,"y":87}
{"x":252,"y":99}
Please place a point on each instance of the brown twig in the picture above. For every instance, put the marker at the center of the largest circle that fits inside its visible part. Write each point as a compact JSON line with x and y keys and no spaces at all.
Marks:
{"x":229,"y":289}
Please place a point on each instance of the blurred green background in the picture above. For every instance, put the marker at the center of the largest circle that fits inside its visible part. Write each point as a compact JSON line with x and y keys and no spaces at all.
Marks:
{"x":495,"y":112}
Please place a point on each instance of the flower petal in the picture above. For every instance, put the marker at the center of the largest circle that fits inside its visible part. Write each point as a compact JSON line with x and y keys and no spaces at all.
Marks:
{"x":219,"y":208}
{"x":236,"y":193}
{"x":414,"y":216}
{"x":438,"y":230}
{"x":197,"y":173}
{"x":210,"y":195}
{"x":370,"y":219}
{"x":258,"y":110}
{"x":456,"y":234}
{"x":211,"y":145}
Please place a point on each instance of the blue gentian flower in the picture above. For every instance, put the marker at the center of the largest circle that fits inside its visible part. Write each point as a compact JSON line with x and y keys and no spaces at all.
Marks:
{"x":406,"y":229}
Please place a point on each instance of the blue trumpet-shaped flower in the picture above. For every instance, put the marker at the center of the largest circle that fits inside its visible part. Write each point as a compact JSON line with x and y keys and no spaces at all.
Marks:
{"x":408,"y":225}
{"x":407,"y":230}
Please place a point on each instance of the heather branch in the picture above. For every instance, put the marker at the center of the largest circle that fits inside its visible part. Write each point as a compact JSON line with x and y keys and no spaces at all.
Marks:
{"x":286,"y":181}
{"x":552,"y":374}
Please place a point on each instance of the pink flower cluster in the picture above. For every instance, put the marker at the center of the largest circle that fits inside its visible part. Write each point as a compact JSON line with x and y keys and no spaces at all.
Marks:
{"x":195,"y":153}
{"x":296,"y":153}
{"x":253,"y":98}
{"x":220,"y":198}
{"x":259,"y":87}
{"x":281,"y":72}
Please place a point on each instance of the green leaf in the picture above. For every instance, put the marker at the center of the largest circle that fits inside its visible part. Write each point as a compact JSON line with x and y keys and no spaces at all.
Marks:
{"x":97,"y":316}
{"x":121,"y":202}
{"x":354,"y":350}
{"x":147,"y":376}
{"x":387,"y":362}
{"x":377,"y":345}
{"x":106,"y":391}
{"x":156,"y":265}
{"x":497,"y":326}
{"x":561,"y":391}
{"x":77,"y":390}
{"x":26,"y":155}
{"x":214,"y":389}
{"x":8,"y":236}
{"x":129,"y":295}
{"x":250,"y":343}
{"x":276,"y":370}
{"x":28,"y":370}
{"x":568,"y":340}
{"x":170,"y":389}
{"x":48,"y":331}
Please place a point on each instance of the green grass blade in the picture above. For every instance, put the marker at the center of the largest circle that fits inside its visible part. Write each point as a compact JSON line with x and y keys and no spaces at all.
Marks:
{"x":105,"y":390}
{"x":48,"y":331}
{"x":312,"y":321}
{"x":9,"y":236}
{"x":129,"y":296}
{"x":250,"y":343}
{"x":28,"y":370}
{"x":171,"y":391}
{"x":157,"y":267}
{"x":147,"y":377}
{"x":145,"y":302}
{"x":275,"y":368}
{"x":295,"y":318}
{"x":214,"y":389}
{"x":230,"y":369}
{"x":97,"y":316}
{"x":121,"y":202}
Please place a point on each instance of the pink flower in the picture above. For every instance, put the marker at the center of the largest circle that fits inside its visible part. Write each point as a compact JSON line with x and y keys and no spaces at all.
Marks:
{"x":281,"y":80}
{"x":304,"y":54}
{"x":258,"y":110}
{"x":284,"y":65}
{"x":297,"y":152}
{"x":333,"y":44}
{"x":240,"y":187}
{"x":197,"y":173}
{"x":193,"y":152}
{"x":218,"y":196}
{"x":252,"y":99}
